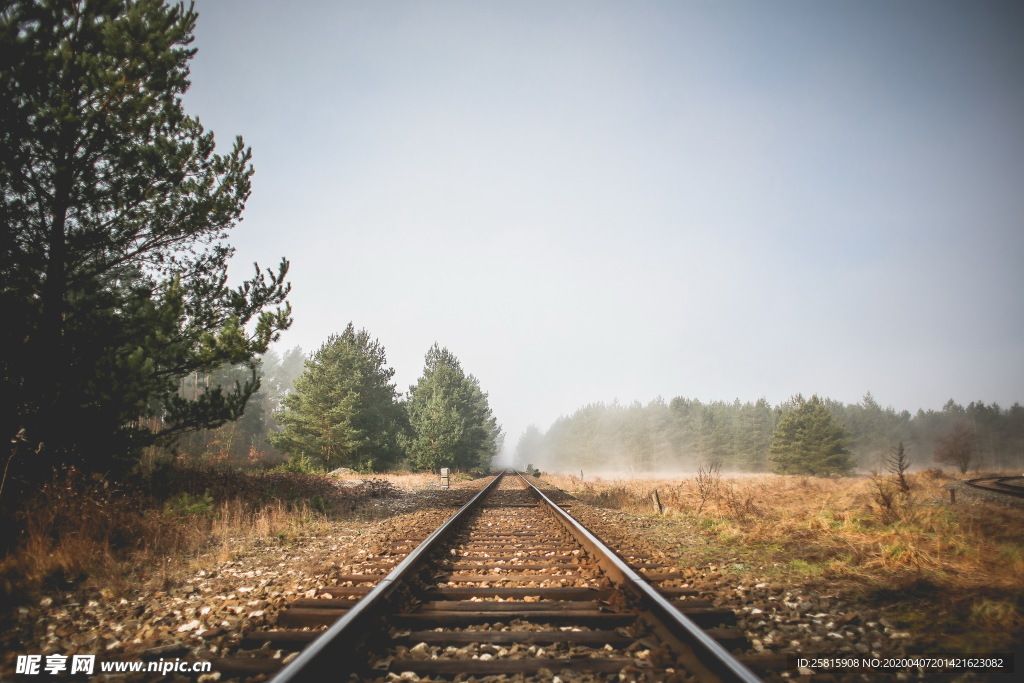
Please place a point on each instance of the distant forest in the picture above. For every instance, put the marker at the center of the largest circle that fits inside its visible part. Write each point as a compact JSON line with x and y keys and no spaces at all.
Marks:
{"x":244,"y":442}
{"x":684,"y":434}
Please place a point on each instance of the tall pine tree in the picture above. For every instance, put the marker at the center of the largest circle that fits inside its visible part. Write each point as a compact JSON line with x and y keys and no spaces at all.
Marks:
{"x":115,"y":210}
{"x":450,"y":419}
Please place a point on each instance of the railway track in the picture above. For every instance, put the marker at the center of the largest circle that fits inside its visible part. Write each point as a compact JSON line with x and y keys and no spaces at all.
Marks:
{"x":510,"y":585}
{"x":1011,"y":486}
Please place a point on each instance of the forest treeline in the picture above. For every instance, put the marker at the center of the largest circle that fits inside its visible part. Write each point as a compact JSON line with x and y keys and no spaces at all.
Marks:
{"x":683,"y":434}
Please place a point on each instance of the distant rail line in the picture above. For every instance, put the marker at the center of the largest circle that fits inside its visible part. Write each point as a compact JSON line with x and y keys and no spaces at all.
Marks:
{"x":1010,"y":486}
{"x":510,"y":584}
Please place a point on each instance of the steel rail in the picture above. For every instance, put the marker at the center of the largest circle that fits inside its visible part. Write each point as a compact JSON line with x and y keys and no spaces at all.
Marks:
{"x":707,"y":650}
{"x":998,"y":485}
{"x":327,"y":656}
{"x":1005,"y":481}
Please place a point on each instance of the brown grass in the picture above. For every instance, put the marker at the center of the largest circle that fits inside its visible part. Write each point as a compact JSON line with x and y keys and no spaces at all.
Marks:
{"x":836,"y":526}
{"x":81,"y":529}
{"x":951,"y":573}
{"x":77,"y":526}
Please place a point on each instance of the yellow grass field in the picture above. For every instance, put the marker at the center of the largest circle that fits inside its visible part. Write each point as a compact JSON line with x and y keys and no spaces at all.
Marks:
{"x":956,"y":569}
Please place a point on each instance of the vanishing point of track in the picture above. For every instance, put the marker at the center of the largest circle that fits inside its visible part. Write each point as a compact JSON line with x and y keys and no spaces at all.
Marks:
{"x":510,"y":585}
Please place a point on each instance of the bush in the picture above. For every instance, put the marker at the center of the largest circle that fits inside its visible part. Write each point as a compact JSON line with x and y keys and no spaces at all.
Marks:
{"x":299,"y":464}
{"x":79,"y":526}
{"x":190,"y":505}
{"x":320,"y":504}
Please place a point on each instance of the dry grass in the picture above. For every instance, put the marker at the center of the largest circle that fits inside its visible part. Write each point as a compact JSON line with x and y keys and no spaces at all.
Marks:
{"x":283,"y":523}
{"x":79,"y":529}
{"x":836,"y":526}
{"x":85,"y":530}
{"x":952,"y":573}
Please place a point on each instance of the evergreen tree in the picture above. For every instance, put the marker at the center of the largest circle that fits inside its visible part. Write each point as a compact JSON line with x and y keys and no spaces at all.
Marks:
{"x":716,"y":433}
{"x":809,"y":440}
{"x":344,"y":410}
{"x":450,"y":420}
{"x":755,"y":427}
{"x":685,"y":431}
{"x":646,"y":435}
{"x":1014,"y":431}
{"x":115,"y":210}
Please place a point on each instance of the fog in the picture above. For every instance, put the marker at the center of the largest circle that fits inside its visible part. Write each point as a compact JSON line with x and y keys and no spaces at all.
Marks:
{"x":680,"y":436}
{"x":591,"y":202}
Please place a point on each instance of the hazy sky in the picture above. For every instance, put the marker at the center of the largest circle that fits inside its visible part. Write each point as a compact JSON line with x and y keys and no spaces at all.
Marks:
{"x":589,"y":201}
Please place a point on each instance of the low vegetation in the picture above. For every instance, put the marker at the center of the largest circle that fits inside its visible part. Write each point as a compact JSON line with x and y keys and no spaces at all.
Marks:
{"x":83,"y":529}
{"x":953,"y":571}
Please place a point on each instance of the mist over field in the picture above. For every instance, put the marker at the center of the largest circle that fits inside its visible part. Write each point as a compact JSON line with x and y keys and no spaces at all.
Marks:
{"x":590,"y":202}
{"x":685,"y":435}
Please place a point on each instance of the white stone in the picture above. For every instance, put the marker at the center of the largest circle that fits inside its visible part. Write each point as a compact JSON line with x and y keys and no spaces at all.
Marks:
{"x":190,"y":626}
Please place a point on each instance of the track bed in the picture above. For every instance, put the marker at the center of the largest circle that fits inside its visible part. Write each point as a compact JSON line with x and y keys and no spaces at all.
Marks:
{"x":509,"y":587}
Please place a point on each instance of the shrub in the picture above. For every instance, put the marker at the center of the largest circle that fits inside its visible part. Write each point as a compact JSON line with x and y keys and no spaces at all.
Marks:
{"x":299,"y":464}
{"x":320,"y":504}
{"x":186,"y":504}
{"x":893,"y":494}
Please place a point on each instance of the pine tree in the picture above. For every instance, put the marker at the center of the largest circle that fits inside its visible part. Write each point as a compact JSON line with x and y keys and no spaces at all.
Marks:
{"x":115,"y":210}
{"x":344,"y":410}
{"x":755,"y":426}
{"x":450,"y":419}
{"x":809,"y":440}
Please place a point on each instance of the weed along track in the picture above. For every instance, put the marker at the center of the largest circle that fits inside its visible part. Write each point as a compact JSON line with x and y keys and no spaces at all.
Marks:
{"x":510,"y":585}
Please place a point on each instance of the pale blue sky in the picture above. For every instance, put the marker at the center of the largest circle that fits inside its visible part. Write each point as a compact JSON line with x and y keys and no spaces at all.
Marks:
{"x":587,"y":201}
